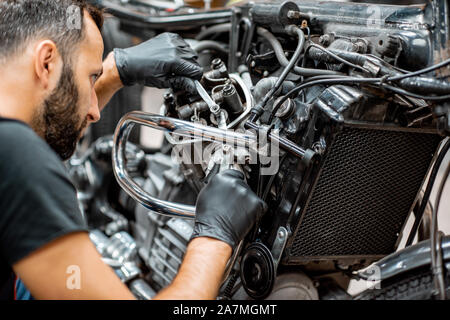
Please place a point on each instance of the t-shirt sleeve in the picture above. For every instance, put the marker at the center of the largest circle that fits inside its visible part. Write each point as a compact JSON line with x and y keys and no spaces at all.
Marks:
{"x":38,"y":202}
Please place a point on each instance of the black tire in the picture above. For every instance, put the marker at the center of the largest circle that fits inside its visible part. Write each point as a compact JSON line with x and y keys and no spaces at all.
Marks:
{"x":415,"y":285}
{"x":126,"y":99}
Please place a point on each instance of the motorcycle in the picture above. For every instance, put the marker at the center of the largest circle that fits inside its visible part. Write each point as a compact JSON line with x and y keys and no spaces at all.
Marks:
{"x":338,"y":114}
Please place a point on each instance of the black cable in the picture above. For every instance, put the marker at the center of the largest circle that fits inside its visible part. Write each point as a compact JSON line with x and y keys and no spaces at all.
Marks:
{"x":334,"y":80}
{"x":259,"y":109}
{"x":302,"y":78}
{"x":271,"y":180}
{"x":436,"y":257}
{"x":396,"y":78}
{"x":209,"y":45}
{"x":219,"y":28}
{"x":419,"y":72}
{"x":346,"y":79}
{"x":282,"y":59}
{"x":426,"y":195}
{"x":392,"y":78}
{"x":279,"y":53}
{"x":336,"y":57}
{"x":309,"y":79}
{"x":259,"y":187}
{"x":414,"y":95}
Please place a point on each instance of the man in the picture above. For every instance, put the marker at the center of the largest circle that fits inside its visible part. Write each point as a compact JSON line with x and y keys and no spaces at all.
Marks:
{"x":53,"y":85}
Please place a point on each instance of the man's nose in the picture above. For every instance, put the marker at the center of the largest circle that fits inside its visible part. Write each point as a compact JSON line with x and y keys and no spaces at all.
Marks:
{"x":94,"y":112}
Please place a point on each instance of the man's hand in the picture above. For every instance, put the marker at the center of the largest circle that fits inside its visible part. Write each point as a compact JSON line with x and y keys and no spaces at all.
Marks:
{"x":226,"y":211}
{"x":227,"y":208}
{"x":165,"y":61}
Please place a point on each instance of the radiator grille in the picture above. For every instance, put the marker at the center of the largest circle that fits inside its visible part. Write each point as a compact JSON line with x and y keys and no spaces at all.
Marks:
{"x":364,"y":193}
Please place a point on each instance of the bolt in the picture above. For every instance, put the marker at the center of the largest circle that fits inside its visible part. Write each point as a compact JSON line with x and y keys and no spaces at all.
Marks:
{"x":292,"y":14}
{"x":285,"y":109}
{"x":325,"y":39}
{"x":168,"y":96}
{"x":228,"y":90}
{"x":216,"y":63}
{"x":215,"y":109}
{"x":361,"y":47}
{"x":226,"y":148}
{"x":281,"y":234}
{"x":253,"y":64}
{"x":266,"y":73}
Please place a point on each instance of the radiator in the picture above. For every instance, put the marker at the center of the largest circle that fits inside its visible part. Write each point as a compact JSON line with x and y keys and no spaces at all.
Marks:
{"x":362,"y":195}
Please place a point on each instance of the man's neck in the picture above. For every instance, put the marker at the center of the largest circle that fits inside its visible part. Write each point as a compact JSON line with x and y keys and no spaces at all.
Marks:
{"x":16,"y":101}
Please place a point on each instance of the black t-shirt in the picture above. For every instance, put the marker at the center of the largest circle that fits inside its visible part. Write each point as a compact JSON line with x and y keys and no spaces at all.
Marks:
{"x":38,"y":202}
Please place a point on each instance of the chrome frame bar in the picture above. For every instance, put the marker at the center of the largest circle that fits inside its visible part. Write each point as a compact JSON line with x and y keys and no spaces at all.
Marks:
{"x":177,"y":127}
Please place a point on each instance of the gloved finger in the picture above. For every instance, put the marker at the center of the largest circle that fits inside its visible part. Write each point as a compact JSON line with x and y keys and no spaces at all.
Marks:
{"x":233,"y":173}
{"x":182,"y":83}
{"x":120,"y":59}
{"x":187,"y":68}
{"x":186,"y":52}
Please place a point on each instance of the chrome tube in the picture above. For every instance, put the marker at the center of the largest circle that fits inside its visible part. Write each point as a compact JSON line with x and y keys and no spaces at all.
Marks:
{"x":174,"y":126}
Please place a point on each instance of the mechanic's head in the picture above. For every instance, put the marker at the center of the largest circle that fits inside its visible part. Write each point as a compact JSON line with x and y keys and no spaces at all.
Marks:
{"x":56,"y":48}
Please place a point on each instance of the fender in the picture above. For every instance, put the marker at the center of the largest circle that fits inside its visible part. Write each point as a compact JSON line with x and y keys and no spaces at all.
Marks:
{"x":407,"y":259}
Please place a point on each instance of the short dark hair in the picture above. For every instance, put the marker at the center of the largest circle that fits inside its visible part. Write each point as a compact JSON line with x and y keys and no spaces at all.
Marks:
{"x":58,"y":20}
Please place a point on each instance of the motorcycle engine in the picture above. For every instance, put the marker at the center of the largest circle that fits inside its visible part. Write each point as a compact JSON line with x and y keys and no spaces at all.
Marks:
{"x":335,"y":143}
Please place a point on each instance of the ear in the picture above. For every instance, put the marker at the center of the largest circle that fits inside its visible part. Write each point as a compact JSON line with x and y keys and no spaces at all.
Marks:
{"x":47,"y":64}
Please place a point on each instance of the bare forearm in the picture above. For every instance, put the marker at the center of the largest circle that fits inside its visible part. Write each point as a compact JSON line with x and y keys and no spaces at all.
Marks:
{"x":201,"y":273}
{"x":109,"y":82}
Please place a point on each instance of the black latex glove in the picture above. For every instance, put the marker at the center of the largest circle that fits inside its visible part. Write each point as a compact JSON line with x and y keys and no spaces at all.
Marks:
{"x":227,"y":208}
{"x":165,"y":61}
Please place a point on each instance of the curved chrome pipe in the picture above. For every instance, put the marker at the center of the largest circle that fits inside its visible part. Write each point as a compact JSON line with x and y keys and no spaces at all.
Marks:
{"x":175,"y":126}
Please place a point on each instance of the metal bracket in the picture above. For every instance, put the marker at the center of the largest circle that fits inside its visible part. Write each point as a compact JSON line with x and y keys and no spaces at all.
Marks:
{"x":278,"y":245}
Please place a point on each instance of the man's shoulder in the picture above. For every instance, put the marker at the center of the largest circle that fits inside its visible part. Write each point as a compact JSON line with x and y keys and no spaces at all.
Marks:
{"x":22,"y":148}
{"x":38,"y":202}
{"x":14,"y":133}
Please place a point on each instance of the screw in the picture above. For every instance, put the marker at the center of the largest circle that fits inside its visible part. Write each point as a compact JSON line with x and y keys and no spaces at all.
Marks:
{"x":281,"y":234}
{"x":266,"y":73}
{"x":253,"y":64}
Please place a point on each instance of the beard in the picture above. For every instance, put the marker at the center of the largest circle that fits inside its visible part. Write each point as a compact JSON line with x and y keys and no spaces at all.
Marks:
{"x":58,"y":122}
